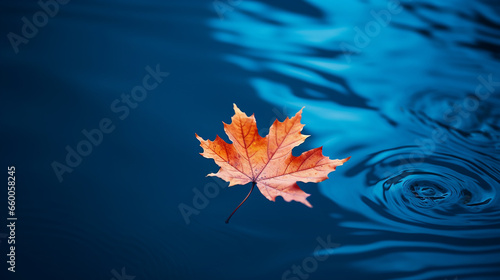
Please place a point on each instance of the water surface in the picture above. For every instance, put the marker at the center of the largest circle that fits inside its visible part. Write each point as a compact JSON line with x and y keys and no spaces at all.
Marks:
{"x":415,"y":104}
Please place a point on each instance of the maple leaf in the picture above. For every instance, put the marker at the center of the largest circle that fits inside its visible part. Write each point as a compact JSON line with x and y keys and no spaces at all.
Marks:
{"x":267,"y":161}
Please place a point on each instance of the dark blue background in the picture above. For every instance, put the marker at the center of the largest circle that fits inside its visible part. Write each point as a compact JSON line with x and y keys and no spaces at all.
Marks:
{"x":418,"y":199}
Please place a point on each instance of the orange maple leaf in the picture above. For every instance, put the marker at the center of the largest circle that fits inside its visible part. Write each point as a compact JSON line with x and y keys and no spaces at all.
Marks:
{"x":267,"y":161}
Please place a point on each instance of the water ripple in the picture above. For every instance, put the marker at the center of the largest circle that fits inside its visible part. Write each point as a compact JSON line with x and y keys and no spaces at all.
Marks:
{"x":435,"y":192}
{"x":413,"y":110}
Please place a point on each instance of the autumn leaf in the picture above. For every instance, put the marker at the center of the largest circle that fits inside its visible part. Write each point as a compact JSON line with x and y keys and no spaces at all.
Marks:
{"x":267,"y":161}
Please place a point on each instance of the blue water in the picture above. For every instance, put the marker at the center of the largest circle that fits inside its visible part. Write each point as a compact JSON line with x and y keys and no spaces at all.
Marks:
{"x":411,"y":92}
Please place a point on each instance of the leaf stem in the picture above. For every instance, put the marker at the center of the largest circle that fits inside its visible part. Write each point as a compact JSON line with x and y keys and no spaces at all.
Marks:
{"x":253,"y":185}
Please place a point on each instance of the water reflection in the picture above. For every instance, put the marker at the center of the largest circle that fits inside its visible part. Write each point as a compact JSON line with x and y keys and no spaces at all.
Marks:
{"x":417,"y":108}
